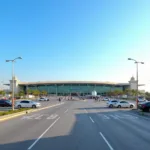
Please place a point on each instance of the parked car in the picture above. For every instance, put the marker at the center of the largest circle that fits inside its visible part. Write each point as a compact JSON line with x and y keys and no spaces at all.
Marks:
{"x":106,"y":99}
{"x":5,"y":103}
{"x":144,"y":106}
{"x":27,"y":104}
{"x":141,"y":100}
{"x":111,"y":103}
{"x":124,"y":104}
{"x":43,"y":99}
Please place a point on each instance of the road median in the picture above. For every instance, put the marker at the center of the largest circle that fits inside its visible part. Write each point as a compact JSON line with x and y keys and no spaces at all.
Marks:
{"x":14,"y":115}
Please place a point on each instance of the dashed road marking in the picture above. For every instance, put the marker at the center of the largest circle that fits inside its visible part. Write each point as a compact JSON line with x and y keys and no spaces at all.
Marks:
{"x":66,"y":111}
{"x":91,"y":119}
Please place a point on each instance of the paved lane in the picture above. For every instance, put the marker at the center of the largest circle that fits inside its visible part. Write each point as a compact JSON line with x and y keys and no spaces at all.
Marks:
{"x":76,"y":125}
{"x":73,"y":131}
{"x":123,"y":129}
{"x":23,"y":129}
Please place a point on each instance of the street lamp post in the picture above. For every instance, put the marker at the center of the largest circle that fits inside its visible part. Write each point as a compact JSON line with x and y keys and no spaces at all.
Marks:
{"x":137,"y":78}
{"x":13,"y":79}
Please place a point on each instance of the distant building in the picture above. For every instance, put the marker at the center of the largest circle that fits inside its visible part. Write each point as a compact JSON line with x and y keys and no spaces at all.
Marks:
{"x":73,"y":87}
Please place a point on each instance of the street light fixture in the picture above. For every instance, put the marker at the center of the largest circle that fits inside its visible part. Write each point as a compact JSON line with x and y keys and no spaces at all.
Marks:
{"x":137,"y":77}
{"x":13,"y":60}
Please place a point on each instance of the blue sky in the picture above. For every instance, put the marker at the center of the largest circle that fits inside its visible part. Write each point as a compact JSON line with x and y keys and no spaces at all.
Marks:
{"x":75,"y":39}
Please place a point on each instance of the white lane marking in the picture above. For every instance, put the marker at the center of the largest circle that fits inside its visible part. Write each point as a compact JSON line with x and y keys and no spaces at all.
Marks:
{"x":43,"y":134}
{"x":113,"y":116}
{"x":130,"y":117}
{"x":120,"y":117}
{"x":39,"y":117}
{"x":85,"y":110}
{"x":106,"y":141}
{"x":106,"y":117}
{"x":53,"y":116}
{"x":29,"y":117}
{"x":91,"y":119}
{"x":66,"y":111}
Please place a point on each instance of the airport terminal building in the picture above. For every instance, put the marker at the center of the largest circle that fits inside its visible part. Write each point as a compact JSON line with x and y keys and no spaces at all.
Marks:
{"x":73,"y":87}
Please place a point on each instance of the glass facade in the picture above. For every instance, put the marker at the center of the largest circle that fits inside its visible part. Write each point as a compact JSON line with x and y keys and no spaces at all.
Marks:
{"x":67,"y":89}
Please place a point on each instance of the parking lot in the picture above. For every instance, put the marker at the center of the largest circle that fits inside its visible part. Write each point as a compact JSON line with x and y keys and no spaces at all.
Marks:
{"x":52,"y":100}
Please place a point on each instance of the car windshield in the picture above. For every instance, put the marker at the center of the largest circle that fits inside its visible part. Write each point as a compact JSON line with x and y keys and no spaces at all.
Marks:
{"x":8,"y":101}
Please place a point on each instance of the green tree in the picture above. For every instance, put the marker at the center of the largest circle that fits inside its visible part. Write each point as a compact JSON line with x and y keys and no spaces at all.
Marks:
{"x":36,"y":92}
{"x":127,"y":92}
{"x":29,"y":91}
{"x":2,"y":92}
{"x":44,"y":93}
{"x":117,"y":92}
{"x":21,"y":93}
{"x":133,"y":92}
{"x":147,"y":94}
{"x":109,"y":93}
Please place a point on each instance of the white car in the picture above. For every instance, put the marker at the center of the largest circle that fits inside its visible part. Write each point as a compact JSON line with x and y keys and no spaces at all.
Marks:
{"x":27,"y":104}
{"x":43,"y":99}
{"x":106,"y":99}
{"x":124,"y":104}
{"x":140,"y":100}
{"x":111,"y":103}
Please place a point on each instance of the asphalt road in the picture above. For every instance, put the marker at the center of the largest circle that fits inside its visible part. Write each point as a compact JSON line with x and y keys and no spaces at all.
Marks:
{"x":77,"y":125}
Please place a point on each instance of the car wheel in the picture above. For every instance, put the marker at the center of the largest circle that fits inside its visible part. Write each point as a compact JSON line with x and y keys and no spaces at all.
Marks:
{"x":33,"y":106}
{"x":119,"y":106}
{"x":111,"y":106}
{"x":19,"y":106}
{"x":131,"y":106}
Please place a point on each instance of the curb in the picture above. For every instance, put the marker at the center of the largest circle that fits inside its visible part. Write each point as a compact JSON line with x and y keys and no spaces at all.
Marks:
{"x":25,"y":112}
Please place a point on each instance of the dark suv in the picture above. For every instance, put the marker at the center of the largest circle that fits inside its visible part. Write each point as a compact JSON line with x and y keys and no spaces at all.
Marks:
{"x":5,"y":103}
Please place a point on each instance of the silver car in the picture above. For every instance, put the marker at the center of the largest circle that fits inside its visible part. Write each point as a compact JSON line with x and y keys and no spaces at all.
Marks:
{"x":27,"y":104}
{"x":124,"y":104}
{"x":111,"y":103}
